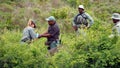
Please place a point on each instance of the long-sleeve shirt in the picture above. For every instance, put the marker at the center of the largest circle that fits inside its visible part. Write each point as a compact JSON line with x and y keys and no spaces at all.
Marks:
{"x":116,"y":29}
{"x":54,"y":31}
{"x":84,"y":15}
{"x":28,"y":34}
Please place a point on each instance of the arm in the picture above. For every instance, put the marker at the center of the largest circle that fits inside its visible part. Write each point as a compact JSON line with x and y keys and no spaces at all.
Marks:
{"x":55,"y":30}
{"x":91,"y":21}
{"x":51,"y":33}
{"x":32,"y":34}
{"x":116,"y":29}
{"x":45,"y":35}
{"x":73,"y":23}
{"x":74,"y":20}
{"x":45,"y":32}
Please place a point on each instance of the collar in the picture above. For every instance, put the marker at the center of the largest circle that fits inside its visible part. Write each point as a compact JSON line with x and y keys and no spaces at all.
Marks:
{"x":82,"y":13}
{"x":117,"y":23}
{"x":53,"y":24}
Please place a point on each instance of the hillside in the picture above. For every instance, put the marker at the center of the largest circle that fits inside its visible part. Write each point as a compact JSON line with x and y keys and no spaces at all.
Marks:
{"x":95,"y":50}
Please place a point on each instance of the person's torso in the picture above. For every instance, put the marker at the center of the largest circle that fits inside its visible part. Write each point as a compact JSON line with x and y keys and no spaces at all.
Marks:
{"x":117,"y":26}
{"x":26,"y":33}
{"x":81,"y":19}
{"x":52,"y":29}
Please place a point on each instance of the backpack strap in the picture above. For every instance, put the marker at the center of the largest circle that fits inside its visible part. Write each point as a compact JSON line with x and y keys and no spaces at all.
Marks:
{"x":29,"y":35}
{"x":85,"y":17}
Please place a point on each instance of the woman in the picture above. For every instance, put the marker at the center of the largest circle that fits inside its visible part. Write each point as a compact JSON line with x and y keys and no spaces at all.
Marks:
{"x":28,"y":32}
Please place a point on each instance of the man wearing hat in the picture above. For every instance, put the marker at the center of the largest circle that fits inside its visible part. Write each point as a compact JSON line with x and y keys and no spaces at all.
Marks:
{"x":82,"y":19}
{"x":116,"y":29}
{"x":52,"y":34}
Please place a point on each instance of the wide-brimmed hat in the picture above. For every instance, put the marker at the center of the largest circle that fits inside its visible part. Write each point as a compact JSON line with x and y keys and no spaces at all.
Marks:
{"x":116,"y":16}
{"x":81,"y":6}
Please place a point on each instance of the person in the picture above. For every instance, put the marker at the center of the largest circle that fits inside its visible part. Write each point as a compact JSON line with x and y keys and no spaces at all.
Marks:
{"x":52,"y":34}
{"x":28,"y":32}
{"x":82,"y":19}
{"x":116,"y":28}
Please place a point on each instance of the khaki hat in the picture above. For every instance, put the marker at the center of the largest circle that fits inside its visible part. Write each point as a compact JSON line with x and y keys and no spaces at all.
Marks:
{"x":81,"y":6}
{"x":116,"y":16}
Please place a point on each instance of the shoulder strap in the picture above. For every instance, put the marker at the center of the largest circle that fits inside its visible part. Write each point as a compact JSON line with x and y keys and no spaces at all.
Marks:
{"x":29,"y":34}
{"x":83,"y":16}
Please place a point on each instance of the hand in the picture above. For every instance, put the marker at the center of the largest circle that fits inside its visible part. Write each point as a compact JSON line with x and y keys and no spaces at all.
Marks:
{"x":39,"y":36}
{"x":88,"y":26}
{"x":75,"y":28}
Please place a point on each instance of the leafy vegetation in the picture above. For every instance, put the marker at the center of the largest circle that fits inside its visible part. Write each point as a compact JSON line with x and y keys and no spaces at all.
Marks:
{"x":95,"y":50}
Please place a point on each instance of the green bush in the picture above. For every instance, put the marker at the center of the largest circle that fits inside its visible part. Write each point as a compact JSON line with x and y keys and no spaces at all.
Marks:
{"x":15,"y":54}
{"x":61,"y":13}
{"x":95,"y":50}
{"x":76,"y":3}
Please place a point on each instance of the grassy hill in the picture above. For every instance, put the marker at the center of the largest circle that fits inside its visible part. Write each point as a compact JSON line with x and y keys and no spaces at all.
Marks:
{"x":95,"y":50}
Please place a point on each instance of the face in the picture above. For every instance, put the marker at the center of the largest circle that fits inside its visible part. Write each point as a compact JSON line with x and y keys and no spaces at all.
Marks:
{"x":51,"y":22}
{"x":80,"y":10}
{"x":33,"y":25}
{"x":115,"y":20}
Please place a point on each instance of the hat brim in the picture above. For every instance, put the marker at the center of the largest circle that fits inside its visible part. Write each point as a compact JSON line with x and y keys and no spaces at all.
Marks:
{"x":80,"y":8}
{"x":115,"y":18}
{"x":47,"y":19}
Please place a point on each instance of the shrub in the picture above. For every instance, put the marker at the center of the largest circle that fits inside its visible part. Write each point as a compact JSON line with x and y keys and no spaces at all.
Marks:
{"x":61,"y":13}
{"x":95,"y":50}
